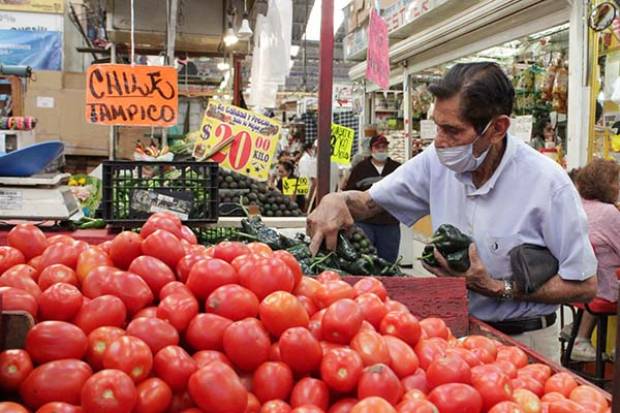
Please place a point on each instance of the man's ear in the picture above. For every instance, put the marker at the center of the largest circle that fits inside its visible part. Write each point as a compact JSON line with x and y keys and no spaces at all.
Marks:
{"x":500,"y":128}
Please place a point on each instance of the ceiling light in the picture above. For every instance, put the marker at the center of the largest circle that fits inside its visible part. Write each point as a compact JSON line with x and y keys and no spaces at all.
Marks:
{"x":245,"y":32}
{"x":223,"y":66}
{"x":230,"y":38}
{"x":294,"y":50}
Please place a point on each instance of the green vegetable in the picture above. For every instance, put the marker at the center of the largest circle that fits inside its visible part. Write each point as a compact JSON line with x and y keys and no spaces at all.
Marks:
{"x":458,"y":261}
{"x":452,"y":244}
{"x":345,"y":249}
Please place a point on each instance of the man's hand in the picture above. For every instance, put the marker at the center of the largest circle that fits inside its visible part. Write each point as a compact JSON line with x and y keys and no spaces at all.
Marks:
{"x":327,"y":220}
{"x":476,"y":277}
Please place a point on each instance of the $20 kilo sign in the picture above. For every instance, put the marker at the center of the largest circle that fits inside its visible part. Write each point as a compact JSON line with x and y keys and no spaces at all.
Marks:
{"x":253,"y":139}
{"x":132,"y":95}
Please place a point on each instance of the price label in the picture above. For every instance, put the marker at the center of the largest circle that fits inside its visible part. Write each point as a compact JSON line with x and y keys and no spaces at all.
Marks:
{"x":253,"y":139}
{"x":341,"y":143}
{"x":295,"y":186}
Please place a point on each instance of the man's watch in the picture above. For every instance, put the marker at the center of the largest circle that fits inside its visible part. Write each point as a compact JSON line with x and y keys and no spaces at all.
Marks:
{"x":508,"y":293}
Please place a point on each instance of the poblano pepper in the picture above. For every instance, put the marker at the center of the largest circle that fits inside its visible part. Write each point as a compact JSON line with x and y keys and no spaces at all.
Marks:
{"x":448,"y":239}
{"x":458,"y":261}
{"x":428,"y":256}
{"x":345,"y":249}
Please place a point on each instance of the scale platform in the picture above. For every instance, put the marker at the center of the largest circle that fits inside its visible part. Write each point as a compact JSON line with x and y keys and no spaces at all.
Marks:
{"x":37,"y":197}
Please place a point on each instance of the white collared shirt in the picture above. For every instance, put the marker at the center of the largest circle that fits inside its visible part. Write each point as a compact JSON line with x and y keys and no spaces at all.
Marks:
{"x":528,"y":200}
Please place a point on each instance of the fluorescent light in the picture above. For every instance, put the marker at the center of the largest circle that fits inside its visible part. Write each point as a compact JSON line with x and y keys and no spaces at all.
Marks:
{"x":223,"y":66}
{"x":230,"y":38}
{"x":294,"y":50}
{"x":313,"y":29}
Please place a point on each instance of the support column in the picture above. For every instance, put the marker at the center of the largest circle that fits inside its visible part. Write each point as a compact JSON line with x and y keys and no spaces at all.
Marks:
{"x":325,"y":97}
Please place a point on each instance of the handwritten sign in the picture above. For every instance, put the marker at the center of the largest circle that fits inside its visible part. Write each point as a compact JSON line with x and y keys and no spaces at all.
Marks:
{"x":254,"y":139}
{"x":521,"y":127}
{"x":40,"y":6}
{"x":341,"y":143}
{"x":132,"y":95}
{"x":377,"y":58}
{"x":295,"y":186}
{"x":428,"y":130}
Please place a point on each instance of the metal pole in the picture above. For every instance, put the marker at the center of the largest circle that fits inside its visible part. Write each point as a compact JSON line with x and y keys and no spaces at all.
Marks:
{"x":170,"y":42}
{"x":112,"y":136}
{"x":325,"y":97}
{"x":237,"y":81}
{"x":615,"y":391}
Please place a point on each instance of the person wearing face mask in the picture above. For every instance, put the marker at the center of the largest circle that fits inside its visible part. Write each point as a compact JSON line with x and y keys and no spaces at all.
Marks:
{"x":383,"y":230}
{"x":495,"y":188}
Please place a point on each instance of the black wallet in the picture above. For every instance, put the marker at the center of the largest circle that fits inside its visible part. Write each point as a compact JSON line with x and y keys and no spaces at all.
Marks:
{"x":532,"y":266}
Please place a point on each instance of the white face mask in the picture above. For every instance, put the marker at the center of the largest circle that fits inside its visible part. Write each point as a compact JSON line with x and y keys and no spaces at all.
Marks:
{"x":380,"y":156}
{"x":461,"y":158}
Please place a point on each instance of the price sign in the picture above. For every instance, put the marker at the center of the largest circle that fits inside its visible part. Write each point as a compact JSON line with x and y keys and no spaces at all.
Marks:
{"x":341,"y":143}
{"x":132,"y":95}
{"x":253,"y":139}
{"x":295,"y":186}
{"x":521,"y":127}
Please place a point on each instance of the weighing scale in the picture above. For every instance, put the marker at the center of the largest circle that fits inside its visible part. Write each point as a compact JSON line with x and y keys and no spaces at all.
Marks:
{"x":44,"y":197}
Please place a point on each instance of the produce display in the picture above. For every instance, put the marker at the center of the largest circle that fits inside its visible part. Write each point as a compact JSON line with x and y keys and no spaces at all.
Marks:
{"x":153,"y":322}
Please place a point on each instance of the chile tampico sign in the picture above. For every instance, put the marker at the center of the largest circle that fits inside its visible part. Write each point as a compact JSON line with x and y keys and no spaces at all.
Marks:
{"x":132,"y":95}
{"x":249,"y":140}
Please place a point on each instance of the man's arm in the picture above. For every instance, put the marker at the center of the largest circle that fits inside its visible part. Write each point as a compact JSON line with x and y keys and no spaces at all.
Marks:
{"x":361,"y":205}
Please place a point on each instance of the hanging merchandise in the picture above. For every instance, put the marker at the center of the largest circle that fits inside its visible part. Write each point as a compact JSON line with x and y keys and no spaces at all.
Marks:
{"x":547,"y":91}
{"x":560,"y":91}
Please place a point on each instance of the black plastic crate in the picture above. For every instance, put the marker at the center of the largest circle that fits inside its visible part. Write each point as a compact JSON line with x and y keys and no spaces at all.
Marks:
{"x":132,"y":190}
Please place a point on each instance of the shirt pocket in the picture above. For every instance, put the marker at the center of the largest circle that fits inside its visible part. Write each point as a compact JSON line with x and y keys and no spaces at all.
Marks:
{"x":498,"y":252}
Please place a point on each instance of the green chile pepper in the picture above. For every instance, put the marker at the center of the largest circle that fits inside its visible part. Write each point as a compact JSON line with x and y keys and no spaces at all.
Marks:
{"x":448,"y":239}
{"x":458,"y":261}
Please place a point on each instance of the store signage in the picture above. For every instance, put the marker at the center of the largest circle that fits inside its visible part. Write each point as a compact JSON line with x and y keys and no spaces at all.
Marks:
{"x":36,"y":22}
{"x":132,"y":95}
{"x":39,"y":6}
{"x":521,"y":127}
{"x":341,"y":143}
{"x":428,"y":130}
{"x":41,"y":50}
{"x":249,"y":140}
{"x":295,"y":186}
{"x":377,"y":59}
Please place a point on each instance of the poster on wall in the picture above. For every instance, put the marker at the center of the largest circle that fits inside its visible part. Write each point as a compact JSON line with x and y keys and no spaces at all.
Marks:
{"x":41,"y":50}
{"x":378,"y":60}
{"x":39,"y":6}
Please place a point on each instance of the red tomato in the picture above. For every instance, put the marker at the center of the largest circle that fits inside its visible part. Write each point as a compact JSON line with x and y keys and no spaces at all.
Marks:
{"x":280,"y":311}
{"x":493,"y":385}
{"x":402,"y":325}
{"x":553,"y":396}
{"x":373,"y":309}
{"x":275,"y":406}
{"x":109,"y":391}
{"x":147,"y":312}
{"x":292,"y":263}
{"x":90,"y":259}
{"x":229,"y":250}
{"x":565,"y":406}
{"x":106,"y":246}
{"x":308,"y":304}
{"x":15,"y":366}
{"x":414,"y":394}
{"x":165,"y":246}
{"x":60,"y":302}
{"x":259,"y":248}
{"x":43,"y":384}
{"x":153,"y":271}
{"x":185,"y":265}
{"x":371,"y":285}
{"x":373,"y":405}
{"x":233,"y":302}
{"x":308,"y":287}
{"x":538,"y":371}
{"x":188,"y":235}
{"x":587,"y":395}
{"x":477,"y":342}
{"x":514,"y":355}
{"x":300,"y":350}
{"x":23,"y":270}
{"x":506,"y":367}
{"x":216,"y":388}
{"x":20,"y":280}
{"x":207,"y":275}
{"x":307,"y":409}
{"x":456,"y":398}
{"x":310,"y":391}
{"x":173,"y":287}
{"x":27,"y":238}
{"x":243,"y":335}
{"x":106,"y":310}
{"x":174,"y":366}
{"x":343,"y":406}
{"x":266,"y":275}
{"x":468,"y":356}
{"x":253,"y":404}
{"x":36,"y":263}
{"x":506,"y":407}
{"x":59,"y":407}
{"x":316,"y":324}
{"x":272,"y":380}
{"x":154,"y":396}
{"x":341,"y":321}
{"x":206,"y":332}
{"x":393,"y":305}
{"x":60,"y":239}
{"x":529,"y":383}
{"x":371,"y":347}
{"x":99,"y":281}
{"x":10,"y":407}
{"x":563,"y":383}
{"x":156,"y":333}
{"x":10,"y":257}
{"x":57,"y":273}
{"x":379,"y":380}
{"x":416,"y":381}
{"x":132,"y":289}
{"x":178,"y":309}
{"x":204,"y":357}
{"x":125,"y":247}
{"x":165,"y":221}
{"x":183,"y":403}
{"x":434,"y":327}
{"x":403,"y":359}
{"x":130,"y":355}
{"x":332,"y":291}
{"x":417,"y":406}
{"x":448,"y":369}
{"x":274,"y":352}
{"x":429,"y":349}
{"x":15,"y":299}
{"x":60,"y":253}
{"x":98,"y":342}
{"x":341,"y":369}
{"x":55,"y":340}
{"x":528,"y":401}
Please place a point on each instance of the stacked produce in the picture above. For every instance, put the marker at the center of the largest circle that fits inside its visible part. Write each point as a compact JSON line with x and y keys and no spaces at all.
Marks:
{"x":240,"y":189}
{"x":153,"y":322}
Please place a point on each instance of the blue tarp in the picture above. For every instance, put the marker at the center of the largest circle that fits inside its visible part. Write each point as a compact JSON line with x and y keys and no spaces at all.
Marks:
{"x":41,"y":50}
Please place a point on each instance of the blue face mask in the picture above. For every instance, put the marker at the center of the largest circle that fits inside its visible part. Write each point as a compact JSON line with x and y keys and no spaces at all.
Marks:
{"x":380,"y":156}
{"x":461,"y":158}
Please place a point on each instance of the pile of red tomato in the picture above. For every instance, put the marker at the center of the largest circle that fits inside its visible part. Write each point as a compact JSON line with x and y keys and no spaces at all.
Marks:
{"x":153,"y":322}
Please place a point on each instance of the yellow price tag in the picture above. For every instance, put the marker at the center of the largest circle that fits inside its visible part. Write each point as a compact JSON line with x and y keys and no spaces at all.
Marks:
{"x":341,"y":143}
{"x":295,"y":186}
{"x":254,"y":139}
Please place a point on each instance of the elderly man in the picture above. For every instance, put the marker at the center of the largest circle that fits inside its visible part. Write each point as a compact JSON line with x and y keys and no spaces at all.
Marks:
{"x":496,"y":189}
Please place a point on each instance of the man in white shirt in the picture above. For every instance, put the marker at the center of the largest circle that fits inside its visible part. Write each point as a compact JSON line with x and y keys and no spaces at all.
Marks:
{"x":494,"y":188}
{"x":307,"y":166}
